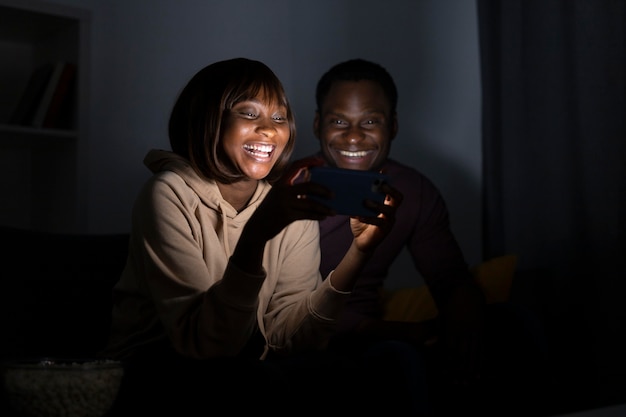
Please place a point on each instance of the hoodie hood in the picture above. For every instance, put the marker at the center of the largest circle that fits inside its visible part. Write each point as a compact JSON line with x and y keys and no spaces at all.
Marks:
{"x":158,"y":161}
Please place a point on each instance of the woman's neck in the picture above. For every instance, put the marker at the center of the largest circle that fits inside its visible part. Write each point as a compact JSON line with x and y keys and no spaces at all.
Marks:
{"x":238,"y":193}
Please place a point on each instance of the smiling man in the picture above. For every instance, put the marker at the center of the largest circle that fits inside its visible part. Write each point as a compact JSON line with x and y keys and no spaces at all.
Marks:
{"x":356,"y":122}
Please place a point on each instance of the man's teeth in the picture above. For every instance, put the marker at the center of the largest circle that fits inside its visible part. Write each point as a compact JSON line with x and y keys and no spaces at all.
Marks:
{"x":357,"y":154}
{"x":261,"y":150}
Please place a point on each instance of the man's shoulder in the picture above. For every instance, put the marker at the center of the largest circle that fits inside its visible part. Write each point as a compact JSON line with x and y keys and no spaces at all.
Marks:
{"x":409,"y":179}
{"x":399,"y":166}
{"x":395,"y":168}
{"x":315,"y":155}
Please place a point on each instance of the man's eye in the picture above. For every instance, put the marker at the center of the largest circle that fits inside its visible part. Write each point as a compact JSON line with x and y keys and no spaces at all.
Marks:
{"x":337,"y":122}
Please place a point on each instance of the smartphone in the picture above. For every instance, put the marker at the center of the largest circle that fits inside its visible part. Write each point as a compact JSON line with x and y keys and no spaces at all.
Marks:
{"x":351,"y":188}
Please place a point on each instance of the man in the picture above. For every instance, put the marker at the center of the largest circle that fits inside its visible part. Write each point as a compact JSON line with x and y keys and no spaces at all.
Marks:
{"x":356,"y":123}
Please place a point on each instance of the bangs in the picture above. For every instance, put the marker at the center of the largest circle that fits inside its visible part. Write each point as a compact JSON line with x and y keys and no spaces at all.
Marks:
{"x":268,"y":87}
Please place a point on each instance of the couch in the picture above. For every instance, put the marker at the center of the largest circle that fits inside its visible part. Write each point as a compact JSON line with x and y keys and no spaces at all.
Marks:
{"x":56,"y":291}
{"x":55,"y":299}
{"x":56,"y":295}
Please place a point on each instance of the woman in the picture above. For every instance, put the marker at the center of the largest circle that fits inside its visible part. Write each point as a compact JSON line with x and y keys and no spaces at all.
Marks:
{"x":223,"y":264}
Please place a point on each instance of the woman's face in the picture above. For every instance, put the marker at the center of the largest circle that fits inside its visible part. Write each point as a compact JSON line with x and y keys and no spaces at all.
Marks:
{"x":255,"y":135}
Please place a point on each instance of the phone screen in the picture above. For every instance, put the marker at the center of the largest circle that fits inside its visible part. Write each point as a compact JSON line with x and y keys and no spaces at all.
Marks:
{"x":351,"y":188}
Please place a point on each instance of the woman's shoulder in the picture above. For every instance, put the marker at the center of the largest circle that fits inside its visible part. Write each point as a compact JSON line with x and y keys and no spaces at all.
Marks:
{"x":171,"y":188}
{"x":165,"y":180}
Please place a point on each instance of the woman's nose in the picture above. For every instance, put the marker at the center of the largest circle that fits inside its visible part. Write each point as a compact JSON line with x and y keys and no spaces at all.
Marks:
{"x":266,"y":127}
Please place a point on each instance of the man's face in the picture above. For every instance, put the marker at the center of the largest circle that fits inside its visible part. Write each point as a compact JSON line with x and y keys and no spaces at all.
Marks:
{"x":355,"y":125}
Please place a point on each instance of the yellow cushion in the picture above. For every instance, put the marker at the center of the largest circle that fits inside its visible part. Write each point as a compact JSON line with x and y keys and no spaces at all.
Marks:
{"x":495,"y":276}
{"x":409,"y":304}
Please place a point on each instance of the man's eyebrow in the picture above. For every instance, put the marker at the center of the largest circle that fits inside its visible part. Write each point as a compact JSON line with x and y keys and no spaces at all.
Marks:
{"x":366,"y":113}
{"x":334,"y":113}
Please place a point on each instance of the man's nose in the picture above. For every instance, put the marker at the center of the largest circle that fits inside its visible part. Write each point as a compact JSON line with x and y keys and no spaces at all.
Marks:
{"x":354,"y":134}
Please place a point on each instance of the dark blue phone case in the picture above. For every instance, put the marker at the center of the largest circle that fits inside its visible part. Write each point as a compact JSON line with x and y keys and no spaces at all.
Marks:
{"x":351,"y":188}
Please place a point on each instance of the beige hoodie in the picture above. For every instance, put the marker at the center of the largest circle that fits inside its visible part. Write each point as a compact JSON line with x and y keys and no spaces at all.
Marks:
{"x":178,"y":283}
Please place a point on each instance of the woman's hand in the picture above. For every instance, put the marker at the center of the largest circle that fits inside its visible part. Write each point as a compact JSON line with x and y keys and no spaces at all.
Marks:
{"x":368,"y":232}
{"x":298,"y":171}
{"x":285,"y":204}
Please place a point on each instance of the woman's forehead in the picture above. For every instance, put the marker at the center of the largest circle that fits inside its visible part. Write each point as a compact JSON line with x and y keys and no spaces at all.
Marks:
{"x":268,"y":97}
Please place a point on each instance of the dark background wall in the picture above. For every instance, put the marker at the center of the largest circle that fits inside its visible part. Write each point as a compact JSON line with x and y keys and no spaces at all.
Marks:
{"x":144,"y":51}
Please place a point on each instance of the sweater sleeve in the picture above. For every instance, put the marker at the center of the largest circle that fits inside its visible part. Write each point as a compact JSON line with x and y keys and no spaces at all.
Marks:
{"x":302,"y":311}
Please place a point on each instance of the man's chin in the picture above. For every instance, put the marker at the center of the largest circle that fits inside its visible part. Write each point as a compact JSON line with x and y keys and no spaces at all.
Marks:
{"x":361,"y":164}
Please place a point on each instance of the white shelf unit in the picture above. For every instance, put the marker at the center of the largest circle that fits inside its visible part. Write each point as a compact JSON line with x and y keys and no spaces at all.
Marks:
{"x":43,"y":180}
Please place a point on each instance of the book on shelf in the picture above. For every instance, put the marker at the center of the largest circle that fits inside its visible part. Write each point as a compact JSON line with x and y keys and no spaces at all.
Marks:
{"x":54,"y":93}
{"x":59,"y":111}
{"x":27,"y":105}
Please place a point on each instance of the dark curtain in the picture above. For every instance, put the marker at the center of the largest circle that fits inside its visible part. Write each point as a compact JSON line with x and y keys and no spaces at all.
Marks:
{"x":554,"y":167}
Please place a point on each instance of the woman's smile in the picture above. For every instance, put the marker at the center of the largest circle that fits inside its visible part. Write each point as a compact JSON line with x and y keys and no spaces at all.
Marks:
{"x":259,"y":151}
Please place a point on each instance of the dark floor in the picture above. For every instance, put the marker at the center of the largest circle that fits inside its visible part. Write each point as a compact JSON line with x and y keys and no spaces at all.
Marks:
{"x":561,"y":398}
{"x":570,"y":399}
{"x":577,"y":346}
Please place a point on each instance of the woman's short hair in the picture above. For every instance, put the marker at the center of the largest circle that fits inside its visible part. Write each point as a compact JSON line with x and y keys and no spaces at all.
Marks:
{"x":198,"y":118}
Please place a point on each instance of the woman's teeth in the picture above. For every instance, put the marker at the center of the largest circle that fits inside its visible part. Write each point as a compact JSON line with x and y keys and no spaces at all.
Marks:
{"x":260,"y":150}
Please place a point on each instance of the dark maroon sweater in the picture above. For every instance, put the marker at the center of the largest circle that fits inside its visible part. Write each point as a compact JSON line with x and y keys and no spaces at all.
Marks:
{"x":422,"y":226}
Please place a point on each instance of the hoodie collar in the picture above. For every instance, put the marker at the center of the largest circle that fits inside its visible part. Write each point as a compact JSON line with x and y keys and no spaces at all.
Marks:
{"x":158,"y":160}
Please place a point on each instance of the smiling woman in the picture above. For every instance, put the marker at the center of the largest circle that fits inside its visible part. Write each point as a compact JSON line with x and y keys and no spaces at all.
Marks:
{"x":257,"y":127}
{"x":256,"y":102}
{"x":222,"y":281}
